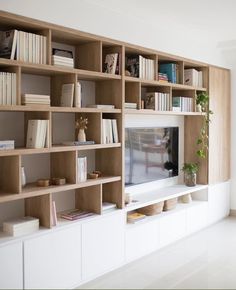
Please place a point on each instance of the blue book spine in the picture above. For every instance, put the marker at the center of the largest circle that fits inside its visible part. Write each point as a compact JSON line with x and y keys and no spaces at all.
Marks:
{"x":170,"y":70}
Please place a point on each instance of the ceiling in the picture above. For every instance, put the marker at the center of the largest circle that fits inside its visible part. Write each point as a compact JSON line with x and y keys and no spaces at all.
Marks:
{"x":217,"y":18}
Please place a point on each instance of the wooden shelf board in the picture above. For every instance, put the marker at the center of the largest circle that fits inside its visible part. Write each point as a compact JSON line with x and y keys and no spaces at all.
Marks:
{"x":151,"y":197}
{"x":32,"y":189}
{"x":162,"y":84}
{"x":22,"y":108}
{"x":56,"y":148}
{"x":152,"y":112}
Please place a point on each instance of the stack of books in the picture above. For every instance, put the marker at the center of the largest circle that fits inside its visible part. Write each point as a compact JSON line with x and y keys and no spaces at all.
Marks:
{"x":131,"y":106}
{"x":182,"y":104}
{"x":192,"y":77}
{"x":7,"y":88}
{"x":112,"y":63}
{"x":23,"y":46}
{"x":21,"y":226}
{"x":100,"y":106}
{"x":33,"y":99}
{"x":82,"y":169}
{"x":157,"y":101}
{"x":140,"y":67}
{"x":37,"y":134}
{"x":171,"y":70}
{"x":135,"y":217}
{"x":75,"y":214}
{"x":71,"y":97}
{"x":109,"y":131}
{"x":7,"y":145}
{"x":162,"y":77}
{"x":61,"y":57}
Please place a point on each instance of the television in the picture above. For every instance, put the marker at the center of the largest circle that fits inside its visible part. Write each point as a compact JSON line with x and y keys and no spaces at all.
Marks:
{"x":151,"y":154}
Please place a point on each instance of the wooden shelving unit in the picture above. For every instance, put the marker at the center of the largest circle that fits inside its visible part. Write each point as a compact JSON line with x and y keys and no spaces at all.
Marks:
{"x":90,"y":51}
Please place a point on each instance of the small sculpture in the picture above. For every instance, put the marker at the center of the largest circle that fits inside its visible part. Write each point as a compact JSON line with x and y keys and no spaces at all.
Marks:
{"x":81,"y":124}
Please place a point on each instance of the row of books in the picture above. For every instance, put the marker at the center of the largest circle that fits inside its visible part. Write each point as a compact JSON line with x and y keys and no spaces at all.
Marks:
{"x":33,"y":99}
{"x":23,"y":46}
{"x":7,"y":88}
{"x":133,"y":106}
{"x":109,"y":131}
{"x":37,"y":134}
{"x":171,"y":70}
{"x":140,"y":67}
{"x":62,"y":57}
{"x":112,"y":64}
{"x":182,"y":104}
{"x":69,"y":96}
{"x":82,"y":169}
{"x":193,"y":77}
{"x":157,"y":101}
{"x":7,"y":144}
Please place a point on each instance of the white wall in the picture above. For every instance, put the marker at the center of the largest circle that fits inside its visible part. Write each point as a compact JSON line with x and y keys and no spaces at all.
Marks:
{"x":158,"y":31}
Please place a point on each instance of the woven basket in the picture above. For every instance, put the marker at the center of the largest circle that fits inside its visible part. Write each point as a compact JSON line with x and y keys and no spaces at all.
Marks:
{"x":152,"y":209}
{"x":170,"y":204}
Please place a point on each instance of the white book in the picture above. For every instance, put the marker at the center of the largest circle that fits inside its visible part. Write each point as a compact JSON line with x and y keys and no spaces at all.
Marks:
{"x":8,"y":89}
{"x":39,"y":134}
{"x":140,"y":67}
{"x":27,"y":47}
{"x":22,"y":46}
{"x":32,"y":132}
{"x":13,"y":91}
{"x":104,"y":134}
{"x":77,"y":99}
{"x":44,"y":49}
{"x":14,"y":43}
{"x":67,"y":95}
{"x":114,"y":131}
{"x":33,"y":48}
{"x":109,"y":122}
{"x":36,"y":96}
{"x":54,"y":214}
{"x":18,"y":46}
{"x":4,"y":89}
{"x":82,"y":169}
{"x":47,"y":135}
{"x":43,"y":133}
{"x":102,"y":106}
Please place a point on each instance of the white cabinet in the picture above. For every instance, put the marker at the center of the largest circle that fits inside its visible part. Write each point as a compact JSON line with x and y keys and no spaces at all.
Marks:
{"x":141,"y":239}
{"x":102,"y":244}
{"x":172,"y":227}
{"x":11,"y":266}
{"x":53,"y":260}
{"x":197,"y":216}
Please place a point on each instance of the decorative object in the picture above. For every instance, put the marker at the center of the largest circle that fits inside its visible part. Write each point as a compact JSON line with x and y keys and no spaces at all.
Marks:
{"x":202,"y":101}
{"x":81,"y":124}
{"x":152,"y":209}
{"x":99,"y":173}
{"x":43,"y":182}
{"x":187,"y":198}
{"x":23,"y":177}
{"x":199,"y":108}
{"x":128,"y":198}
{"x":190,"y":173}
{"x":170,"y":204}
{"x":92,"y":175}
{"x":58,"y":181}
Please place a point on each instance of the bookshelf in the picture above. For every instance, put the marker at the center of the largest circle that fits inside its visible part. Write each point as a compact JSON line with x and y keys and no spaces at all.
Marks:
{"x":89,"y":54}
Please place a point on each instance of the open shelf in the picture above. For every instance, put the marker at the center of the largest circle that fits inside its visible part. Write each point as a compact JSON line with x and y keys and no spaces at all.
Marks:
{"x":153,"y":112}
{"x":151,"y":197}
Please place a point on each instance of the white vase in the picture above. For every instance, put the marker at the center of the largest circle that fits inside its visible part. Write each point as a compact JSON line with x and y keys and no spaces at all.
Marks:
{"x":81,"y":135}
{"x":23,"y":177}
{"x":199,"y":108}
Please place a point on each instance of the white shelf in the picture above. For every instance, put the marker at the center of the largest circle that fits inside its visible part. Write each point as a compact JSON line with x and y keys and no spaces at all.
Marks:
{"x":179,"y":207}
{"x":161,"y":194}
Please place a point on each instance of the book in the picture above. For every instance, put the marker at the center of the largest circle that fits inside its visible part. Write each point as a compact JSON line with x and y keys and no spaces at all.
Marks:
{"x":75,"y":214}
{"x":170,"y":70}
{"x":54,"y":214}
{"x":21,"y":226}
{"x":193,"y":77}
{"x":77,"y":143}
{"x":37,"y":133}
{"x":62,"y":53}
{"x":100,"y":106}
{"x":77,"y":98}
{"x":132,"y":65}
{"x":114,"y":131}
{"x":82,"y":169}
{"x":7,"y":145}
{"x":135,"y":217}
{"x":110,"y":65}
{"x":67,"y":95}
{"x":34,"y":99}
{"x":8,"y":41}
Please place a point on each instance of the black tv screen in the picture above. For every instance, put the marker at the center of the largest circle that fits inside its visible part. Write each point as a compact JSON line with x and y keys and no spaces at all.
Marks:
{"x":151,"y":154}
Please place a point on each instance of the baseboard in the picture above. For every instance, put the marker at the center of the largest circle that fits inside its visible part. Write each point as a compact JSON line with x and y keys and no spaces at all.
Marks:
{"x":232,"y":212}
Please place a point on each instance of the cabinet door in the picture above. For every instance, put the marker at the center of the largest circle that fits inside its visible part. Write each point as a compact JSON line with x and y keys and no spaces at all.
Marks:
{"x":172,"y":227}
{"x":53,"y":260}
{"x":197,"y":217}
{"x":11,"y":267}
{"x":141,"y":239}
{"x":219,"y":131}
{"x":102,"y":245}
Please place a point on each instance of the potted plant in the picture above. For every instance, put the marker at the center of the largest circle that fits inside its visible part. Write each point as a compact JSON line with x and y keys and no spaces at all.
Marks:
{"x":190,"y":173}
{"x":202,"y":100}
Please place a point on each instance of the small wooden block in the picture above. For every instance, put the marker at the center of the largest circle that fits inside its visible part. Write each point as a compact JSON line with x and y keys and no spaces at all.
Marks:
{"x":58,"y":181}
{"x":92,"y":175}
{"x":43,"y":182}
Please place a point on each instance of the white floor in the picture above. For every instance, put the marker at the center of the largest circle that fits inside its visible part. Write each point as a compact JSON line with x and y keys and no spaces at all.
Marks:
{"x":204,"y":260}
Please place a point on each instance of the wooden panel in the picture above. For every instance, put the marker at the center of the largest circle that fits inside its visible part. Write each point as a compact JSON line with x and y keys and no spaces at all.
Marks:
{"x":89,"y":56}
{"x":10,"y":174}
{"x":109,"y":93}
{"x":219,"y":136}
{"x":89,"y":198}
{"x":63,"y":164}
{"x":39,"y":207}
{"x":192,"y":126}
{"x":112,"y":192}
